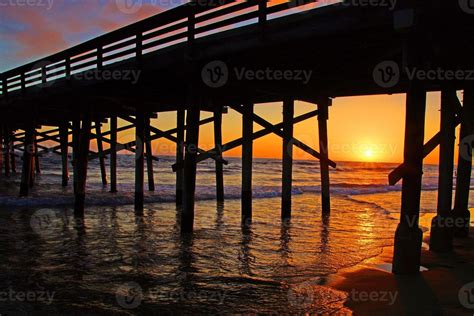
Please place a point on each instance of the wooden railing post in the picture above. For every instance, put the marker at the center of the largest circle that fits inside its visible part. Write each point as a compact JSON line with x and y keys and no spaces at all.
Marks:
{"x":67,"y":66}
{"x":139,"y":46}
{"x":262,"y":12}
{"x":23,"y":84}
{"x":100,"y":58}
{"x":4,"y":86}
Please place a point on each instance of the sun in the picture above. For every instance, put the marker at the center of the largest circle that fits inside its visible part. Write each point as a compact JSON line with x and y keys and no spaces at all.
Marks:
{"x":369,"y":154}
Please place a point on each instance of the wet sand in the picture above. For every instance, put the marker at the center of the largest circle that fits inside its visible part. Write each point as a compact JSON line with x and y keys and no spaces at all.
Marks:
{"x":373,"y":290}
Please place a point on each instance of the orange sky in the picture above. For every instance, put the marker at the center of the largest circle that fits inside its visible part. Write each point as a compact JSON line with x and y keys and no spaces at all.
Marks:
{"x":360,"y":129}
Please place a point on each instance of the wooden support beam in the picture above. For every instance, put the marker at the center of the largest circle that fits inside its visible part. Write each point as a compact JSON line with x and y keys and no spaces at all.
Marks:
{"x":7,"y":155}
{"x":463,"y":180}
{"x":408,"y":237}
{"x":149,"y":156}
{"x":257,"y":119}
{"x":218,"y":146}
{"x":36,"y":158}
{"x":63,"y":135}
{"x":1,"y":149}
{"x":323,"y":117}
{"x":27,"y":161}
{"x":191,"y":150}
{"x":12,"y":152}
{"x":180,"y":122}
{"x":139,"y":161}
{"x":94,"y":155}
{"x":247,"y":159}
{"x":441,"y":235}
{"x":397,"y":174}
{"x":100,"y":152}
{"x":80,"y":163}
{"x":76,"y":130}
{"x":259,"y":134}
{"x":113,"y":154}
{"x":168,"y":135}
{"x":287,"y":154}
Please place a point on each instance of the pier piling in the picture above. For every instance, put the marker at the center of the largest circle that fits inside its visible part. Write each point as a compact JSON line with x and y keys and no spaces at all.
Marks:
{"x":139,"y":160}
{"x":27,"y":161}
{"x":64,"y":139}
{"x":190,"y":162}
{"x":323,"y":107}
{"x":180,"y":119}
{"x":1,"y":150}
{"x":100,"y":150}
{"x":247,"y":157}
{"x":408,"y":236}
{"x":149,"y":156}
{"x":7,"y":151}
{"x":113,"y":154}
{"x":218,"y":146}
{"x":287,"y":163}
{"x":81,"y":163}
{"x":461,"y":212}
{"x":441,"y":236}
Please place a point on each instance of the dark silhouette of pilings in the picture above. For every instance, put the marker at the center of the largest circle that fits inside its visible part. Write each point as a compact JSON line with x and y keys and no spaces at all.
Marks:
{"x":408,"y":236}
{"x":12,"y":152}
{"x":113,"y":154}
{"x":81,"y":160}
{"x":100,"y":150}
{"x":287,"y":158}
{"x":461,"y":212}
{"x":64,"y":140}
{"x":323,"y":107}
{"x":190,"y":162}
{"x":7,"y":148}
{"x":247,"y":157}
{"x":218,"y":146}
{"x":180,"y":120}
{"x":139,"y":161}
{"x":149,"y":156}
{"x":441,"y":235}
{"x":28,"y":153}
{"x":1,"y":150}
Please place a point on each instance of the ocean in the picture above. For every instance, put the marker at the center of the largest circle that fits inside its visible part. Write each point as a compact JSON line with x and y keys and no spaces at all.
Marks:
{"x":116,"y":262}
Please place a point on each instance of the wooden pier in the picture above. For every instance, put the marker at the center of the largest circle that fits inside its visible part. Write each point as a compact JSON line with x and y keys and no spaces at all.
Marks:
{"x":187,"y":59}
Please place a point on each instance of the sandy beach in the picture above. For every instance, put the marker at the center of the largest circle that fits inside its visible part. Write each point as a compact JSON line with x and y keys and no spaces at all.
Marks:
{"x":373,"y":290}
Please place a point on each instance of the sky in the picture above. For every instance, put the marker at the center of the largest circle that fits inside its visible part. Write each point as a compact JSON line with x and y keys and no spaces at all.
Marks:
{"x":360,"y":129}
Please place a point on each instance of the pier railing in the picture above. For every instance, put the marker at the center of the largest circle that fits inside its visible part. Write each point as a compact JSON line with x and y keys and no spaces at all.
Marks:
{"x":182,"y":24}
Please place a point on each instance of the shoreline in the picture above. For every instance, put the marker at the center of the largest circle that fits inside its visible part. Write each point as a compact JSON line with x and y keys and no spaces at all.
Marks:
{"x":373,"y":289}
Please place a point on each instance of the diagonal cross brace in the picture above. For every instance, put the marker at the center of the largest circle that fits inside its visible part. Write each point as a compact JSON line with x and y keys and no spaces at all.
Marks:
{"x":259,"y":120}
{"x":259,"y":134}
{"x":168,"y":135}
{"x":398,"y":173}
